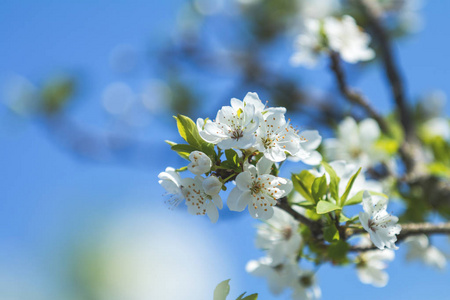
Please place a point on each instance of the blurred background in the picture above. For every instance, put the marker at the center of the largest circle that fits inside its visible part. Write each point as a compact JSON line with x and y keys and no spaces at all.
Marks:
{"x":88,"y":90}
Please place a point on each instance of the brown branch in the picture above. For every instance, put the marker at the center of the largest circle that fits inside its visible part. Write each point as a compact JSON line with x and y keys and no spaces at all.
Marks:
{"x":410,"y":229}
{"x":391,"y":69}
{"x":407,"y":149}
{"x":352,"y":95}
{"x":314,"y":226}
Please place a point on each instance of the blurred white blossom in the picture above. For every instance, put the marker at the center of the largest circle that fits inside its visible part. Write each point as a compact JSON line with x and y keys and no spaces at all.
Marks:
{"x":419,"y":248}
{"x":381,"y":226}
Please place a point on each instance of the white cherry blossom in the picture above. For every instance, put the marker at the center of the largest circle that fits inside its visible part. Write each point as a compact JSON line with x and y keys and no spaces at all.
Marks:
{"x":356,"y":143}
{"x":200,"y":163}
{"x":212,"y":185}
{"x":171,"y":181}
{"x":381,"y":226}
{"x":279,"y":277}
{"x":234,"y":126}
{"x":279,"y":236}
{"x":371,"y":265}
{"x":258,"y":190}
{"x":260,"y":107}
{"x":305,"y":286}
{"x":345,"y":37}
{"x":198,"y":201}
{"x":420,"y":248}
{"x":310,"y":141}
{"x":275,"y":137}
{"x":308,"y":45}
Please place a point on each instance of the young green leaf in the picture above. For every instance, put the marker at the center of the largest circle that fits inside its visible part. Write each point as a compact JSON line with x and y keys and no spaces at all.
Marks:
{"x":222,"y":290}
{"x":338,"y":250}
{"x":300,"y":187}
{"x":319,"y":188}
{"x":334,"y":181}
{"x":183,"y":150}
{"x":249,"y":297}
{"x":324,"y":207}
{"x":188,"y":131}
{"x":349,"y":187}
{"x":359,"y":196}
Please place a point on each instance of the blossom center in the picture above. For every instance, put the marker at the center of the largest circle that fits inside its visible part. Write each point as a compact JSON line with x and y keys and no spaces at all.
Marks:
{"x":237,"y":134}
{"x":256,"y":188}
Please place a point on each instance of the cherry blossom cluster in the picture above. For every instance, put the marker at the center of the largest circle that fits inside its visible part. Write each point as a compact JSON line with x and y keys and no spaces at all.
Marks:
{"x":253,"y":138}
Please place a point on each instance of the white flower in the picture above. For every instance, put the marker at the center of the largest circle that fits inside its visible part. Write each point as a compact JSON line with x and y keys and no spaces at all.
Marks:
{"x":171,"y":181}
{"x":305,"y":286}
{"x":279,"y":236}
{"x":275,"y":137}
{"x":234,"y":126}
{"x":438,"y":127}
{"x":356,"y":143}
{"x":371,"y":265}
{"x":198,"y":201}
{"x":258,"y":190}
{"x":378,"y":223}
{"x":310,"y":141}
{"x":278,"y":277}
{"x":200,"y":163}
{"x":212,"y":185}
{"x":420,"y":248}
{"x":308,"y":45}
{"x":346,"y":38}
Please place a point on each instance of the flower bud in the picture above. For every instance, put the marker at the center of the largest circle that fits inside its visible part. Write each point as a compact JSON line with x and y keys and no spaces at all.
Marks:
{"x":200,"y":163}
{"x":212,"y":185}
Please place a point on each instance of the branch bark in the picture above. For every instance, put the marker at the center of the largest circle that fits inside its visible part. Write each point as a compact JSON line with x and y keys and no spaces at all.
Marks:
{"x":352,"y":95}
{"x":410,"y":229}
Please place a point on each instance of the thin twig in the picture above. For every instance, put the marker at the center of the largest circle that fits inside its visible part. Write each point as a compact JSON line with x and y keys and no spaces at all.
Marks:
{"x":408,"y":230}
{"x":352,"y":95}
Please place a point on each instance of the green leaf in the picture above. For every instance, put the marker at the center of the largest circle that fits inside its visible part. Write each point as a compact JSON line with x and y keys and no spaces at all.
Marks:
{"x":222,"y":290}
{"x":181,"y":169}
{"x":359,"y":196}
{"x":324,"y":207}
{"x":302,"y":183}
{"x":305,"y":204}
{"x":183,"y":150}
{"x":188,"y":131}
{"x":319,"y":188}
{"x":338,"y":250}
{"x":330,"y":233}
{"x":251,"y":297}
{"x":334,"y":181}
{"x":170,"y":143}
{"x":349,"y":187}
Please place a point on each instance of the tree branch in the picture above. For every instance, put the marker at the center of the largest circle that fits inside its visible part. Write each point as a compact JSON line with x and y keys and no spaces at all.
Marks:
{"x":352,"y":95}
{"x":408,"y":230}
{"x":314,"y":226}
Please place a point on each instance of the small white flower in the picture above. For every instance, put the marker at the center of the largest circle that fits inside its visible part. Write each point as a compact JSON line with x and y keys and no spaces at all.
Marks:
{"x":305,"y":286}
{"x":381,"y":226}
{"x":308,"y":45}
{"x":258,"y":190}
{"x":234,"y":127}
{"x":310,"y":141}
{"x":198,"y":201}
{"x":212,"y":185}
{"x":279,"y":236}
{"x":171,"y":181}
{"x":371,"y":265}
{"x":344,"y":36}
{"x":279,"y":277}
{"x":356,"y":143}
{"x":420,"y":248}
{"x":318,"y":8}
{"x":275,"y":137}
{"x":200,"y":163}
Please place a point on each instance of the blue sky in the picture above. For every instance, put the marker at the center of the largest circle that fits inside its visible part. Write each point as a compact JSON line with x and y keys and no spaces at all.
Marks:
{"x":54,"y":204}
